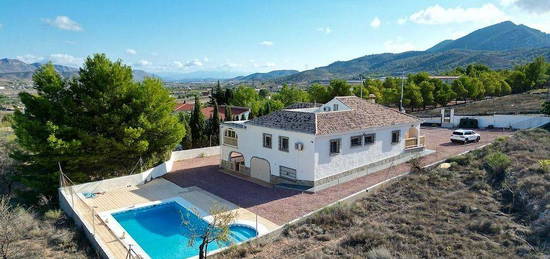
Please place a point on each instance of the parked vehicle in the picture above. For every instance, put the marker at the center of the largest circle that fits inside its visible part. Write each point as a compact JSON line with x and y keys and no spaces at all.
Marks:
{"x":465,"y":136}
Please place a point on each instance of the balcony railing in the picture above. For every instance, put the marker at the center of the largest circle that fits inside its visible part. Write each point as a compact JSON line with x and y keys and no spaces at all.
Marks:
{"x":414,"y":142}
{"x":229,"y":141}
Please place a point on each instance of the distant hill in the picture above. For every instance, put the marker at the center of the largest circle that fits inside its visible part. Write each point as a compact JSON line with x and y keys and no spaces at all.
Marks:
{"x":499,"y":46}
{"x":17,"y":69}
{"x":499,"y":37}
{"x":266,"y":76}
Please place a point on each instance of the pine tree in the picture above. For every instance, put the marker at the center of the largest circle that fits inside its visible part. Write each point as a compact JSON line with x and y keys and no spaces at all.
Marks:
{"x":97,"y":125}
{"x":197,"y":125}
{"x":215,"y":125}
{"x":228,"y":114}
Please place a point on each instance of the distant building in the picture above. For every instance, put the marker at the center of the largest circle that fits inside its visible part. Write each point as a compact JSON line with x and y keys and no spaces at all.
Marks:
{"x":239,"y":113}
{"x":446,"y":79}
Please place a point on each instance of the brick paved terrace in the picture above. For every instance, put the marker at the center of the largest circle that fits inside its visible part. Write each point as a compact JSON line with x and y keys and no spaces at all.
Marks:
{"x":281,"y":206}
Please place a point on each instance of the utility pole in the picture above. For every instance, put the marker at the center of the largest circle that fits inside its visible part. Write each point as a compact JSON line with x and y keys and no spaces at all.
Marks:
{"x":361,"y":78}
{"x":401,"y":109}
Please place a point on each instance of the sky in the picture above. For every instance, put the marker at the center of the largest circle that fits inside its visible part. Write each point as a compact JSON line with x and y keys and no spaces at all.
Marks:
{"x":243,"y":36}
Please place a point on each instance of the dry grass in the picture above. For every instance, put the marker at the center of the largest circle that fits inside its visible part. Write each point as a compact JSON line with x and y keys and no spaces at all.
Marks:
{"x":510,"y":104}
{"x":460,"y":212}
{"x":24,"y":234}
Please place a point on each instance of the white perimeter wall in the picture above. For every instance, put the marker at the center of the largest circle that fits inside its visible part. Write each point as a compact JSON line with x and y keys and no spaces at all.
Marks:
{"x":353,"y":157}
{"x":250,"y":144}
{"x":524,"y":121}
{"x":136,"y":179}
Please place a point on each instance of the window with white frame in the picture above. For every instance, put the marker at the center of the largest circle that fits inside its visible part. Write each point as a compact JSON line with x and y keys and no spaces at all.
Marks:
{"x":356,"y":141}
{"x":370,"y":138}
{"x":267,"y":140}
{"x":395,"y":136}
{"x":334,"y":146}
{"x":283,"y":143}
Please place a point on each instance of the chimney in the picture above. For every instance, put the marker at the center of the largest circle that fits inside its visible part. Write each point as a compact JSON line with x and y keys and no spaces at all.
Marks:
{"x":372,"y":98}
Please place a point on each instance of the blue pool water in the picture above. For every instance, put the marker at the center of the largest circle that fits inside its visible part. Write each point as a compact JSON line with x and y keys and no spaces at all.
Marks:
{"x":158,"y":229}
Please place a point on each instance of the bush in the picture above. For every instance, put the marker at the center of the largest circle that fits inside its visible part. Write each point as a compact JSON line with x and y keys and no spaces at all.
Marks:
{"x":485,"y":227}
{"x":379,"y":253}
{"x":545,"y":166}
{"x":462,"y":160}
{"x":496,"y":163}
{"x":468,"y":123}
{"x":53,"y":215}
{"x":338,"y":215}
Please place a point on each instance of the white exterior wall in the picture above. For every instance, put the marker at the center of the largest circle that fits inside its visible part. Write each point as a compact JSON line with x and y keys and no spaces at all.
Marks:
{"x":250,"y":144}
{"x":330,"y":105}
{"x":524,"y":121}
{"x":350,"y":158}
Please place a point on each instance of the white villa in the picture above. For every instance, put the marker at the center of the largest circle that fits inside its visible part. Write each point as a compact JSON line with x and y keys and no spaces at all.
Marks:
{"x":316,"y":146}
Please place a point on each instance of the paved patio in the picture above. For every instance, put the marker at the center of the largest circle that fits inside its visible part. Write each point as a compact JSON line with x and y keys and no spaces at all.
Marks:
{"x":156,"y":190}
{"x":281,"y":206}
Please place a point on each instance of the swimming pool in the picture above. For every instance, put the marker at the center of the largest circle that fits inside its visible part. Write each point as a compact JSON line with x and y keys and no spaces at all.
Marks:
{"x":159,"y":232}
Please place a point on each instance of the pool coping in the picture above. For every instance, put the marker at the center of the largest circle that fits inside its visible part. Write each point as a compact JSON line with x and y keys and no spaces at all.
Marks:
{"x":127,"y":240}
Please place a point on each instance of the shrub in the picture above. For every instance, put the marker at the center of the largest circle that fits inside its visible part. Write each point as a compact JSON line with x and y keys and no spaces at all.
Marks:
{"x":338,"y":215}
{"x":462,"y":160}
{"x":496,"y":163}
{"x":368,"y":238}
{"x":485,"y":227}
{"x":545,"y":166}
{"x":53,"y":215}
{"x":379,"y":253}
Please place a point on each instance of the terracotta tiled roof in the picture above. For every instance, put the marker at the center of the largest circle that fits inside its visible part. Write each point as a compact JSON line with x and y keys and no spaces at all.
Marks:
{"x":208,"y":111}
{"x":362,"y":115}
{"x":287,"y":120}
{"x":303,"y":105}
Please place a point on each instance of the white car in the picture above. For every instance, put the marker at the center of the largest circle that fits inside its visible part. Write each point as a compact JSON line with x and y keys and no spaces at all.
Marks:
{"x":464,"y":136}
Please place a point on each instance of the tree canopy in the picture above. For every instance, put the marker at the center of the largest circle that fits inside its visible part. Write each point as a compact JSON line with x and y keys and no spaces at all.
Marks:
{"x":96,"y":125}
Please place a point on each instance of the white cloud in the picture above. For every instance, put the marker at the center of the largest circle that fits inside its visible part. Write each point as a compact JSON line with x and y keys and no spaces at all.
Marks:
{"x":401,"y":20}
{"x":375,"y":23}
{"x":325,"y":30}
{"x":534,"y":6}
{"x":436,"y":14}
{"x":64,"y":23}
{"x":270,"y":64}
{"x":229,"y":65}
{"x":193,"y":63}
{"x":398,"y":46}
{"x":266,"y":43}
{"x":131,"y":51}
{"x":144,"y":63}
{"x":178,"y":64}
{"x":507,"y":3}
{"x":205,"y":59}
{"x":66,"y":60}
{"x":188,"y":64}
{"x":30,"y":58}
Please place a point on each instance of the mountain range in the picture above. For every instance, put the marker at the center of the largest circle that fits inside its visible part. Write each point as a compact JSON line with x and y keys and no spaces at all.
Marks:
{"x":499,"y":46}
{"x":266,"y":76}
{"x":17,"y":69}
